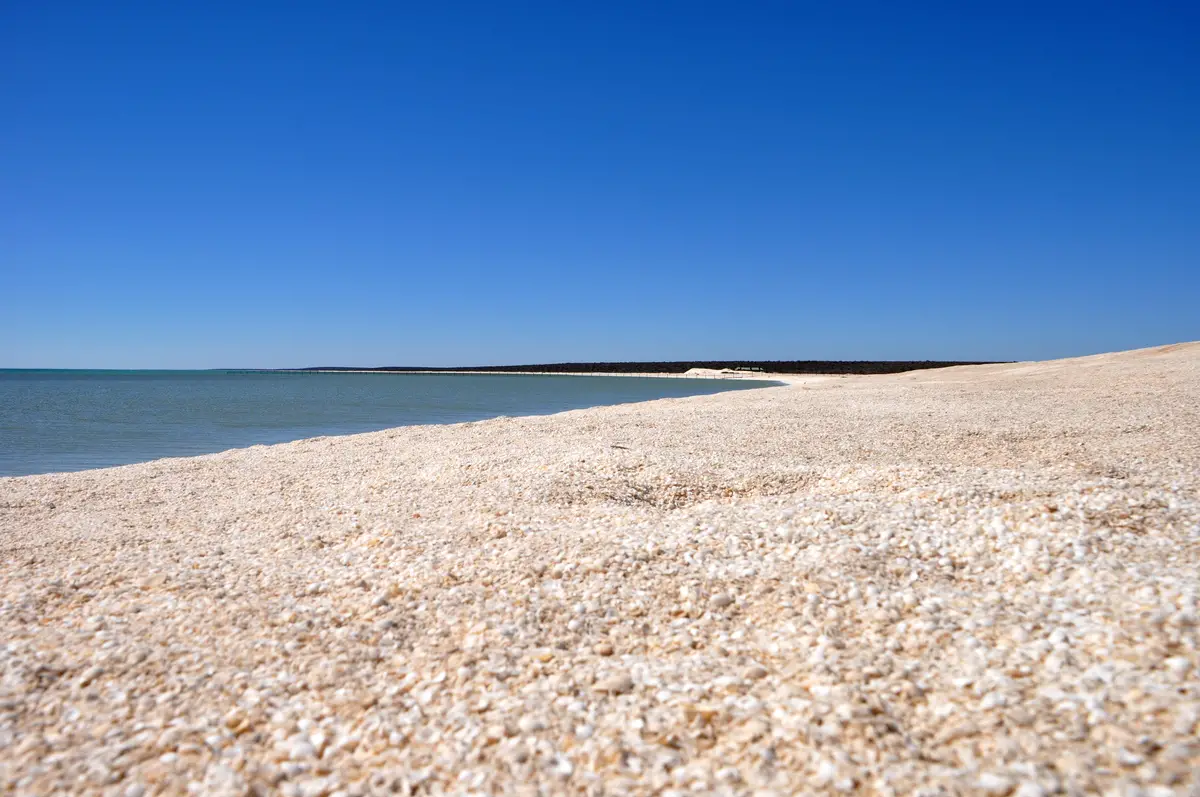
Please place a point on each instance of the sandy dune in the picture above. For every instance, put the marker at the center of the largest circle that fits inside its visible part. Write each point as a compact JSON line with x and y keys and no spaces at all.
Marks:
{"x":979,"y":579}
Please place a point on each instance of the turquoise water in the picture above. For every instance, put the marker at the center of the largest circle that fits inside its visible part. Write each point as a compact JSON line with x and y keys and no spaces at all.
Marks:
{"x":73,"y":420}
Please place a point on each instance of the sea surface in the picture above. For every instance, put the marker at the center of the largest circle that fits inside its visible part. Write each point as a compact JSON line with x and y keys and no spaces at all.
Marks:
{"x":53,"y":421}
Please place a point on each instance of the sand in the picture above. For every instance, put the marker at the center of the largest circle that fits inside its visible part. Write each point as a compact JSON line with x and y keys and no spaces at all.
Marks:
{"x":979,"y":579}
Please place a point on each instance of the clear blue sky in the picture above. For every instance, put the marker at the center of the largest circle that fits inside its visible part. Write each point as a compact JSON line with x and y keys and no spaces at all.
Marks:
{"x":201,"y":184}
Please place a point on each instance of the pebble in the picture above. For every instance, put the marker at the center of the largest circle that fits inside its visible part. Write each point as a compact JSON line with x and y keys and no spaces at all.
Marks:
{"x":991,"y":783}
{"x":90,"y":675}
{"x":615,"y":684}
{"x":720,"y":600}
{"x":529,"y":724}
{"x":301,"y":750}
{"x":1130,"y":759}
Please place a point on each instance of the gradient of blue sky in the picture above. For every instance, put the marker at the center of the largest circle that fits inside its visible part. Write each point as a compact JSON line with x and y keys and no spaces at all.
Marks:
{"x":295,"y":183}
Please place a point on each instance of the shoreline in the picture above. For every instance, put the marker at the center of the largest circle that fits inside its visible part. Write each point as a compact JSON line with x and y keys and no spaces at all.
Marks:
{"x":972,"y":579}
{"x":671,"y":367}
{"x":499,"y":410}
{"x":693,"y":374}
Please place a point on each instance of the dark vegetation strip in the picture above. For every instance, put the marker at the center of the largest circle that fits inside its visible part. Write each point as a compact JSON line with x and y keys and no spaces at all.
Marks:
{"x":679,"y":367}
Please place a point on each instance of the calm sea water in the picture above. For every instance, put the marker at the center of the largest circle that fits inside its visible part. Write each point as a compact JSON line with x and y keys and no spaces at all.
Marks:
{"x":73,"y":420}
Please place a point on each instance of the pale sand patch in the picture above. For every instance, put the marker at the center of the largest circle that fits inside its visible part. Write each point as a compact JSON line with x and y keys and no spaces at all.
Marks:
{"x":979,"y":578}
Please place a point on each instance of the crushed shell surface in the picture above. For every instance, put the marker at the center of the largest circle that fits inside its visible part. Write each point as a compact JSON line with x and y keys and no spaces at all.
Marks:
{"x":968,"y":581}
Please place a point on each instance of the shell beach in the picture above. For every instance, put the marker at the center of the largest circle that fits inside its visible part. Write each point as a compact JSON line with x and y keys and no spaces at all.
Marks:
{"x":973,"y":580}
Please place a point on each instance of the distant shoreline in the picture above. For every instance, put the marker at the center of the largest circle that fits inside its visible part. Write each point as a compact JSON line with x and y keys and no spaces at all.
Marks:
{"x":738,"y":368}
{"x":698,"y":374}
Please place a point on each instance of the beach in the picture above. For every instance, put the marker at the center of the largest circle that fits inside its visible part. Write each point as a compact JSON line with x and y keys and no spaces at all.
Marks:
{"x":975,"y":580}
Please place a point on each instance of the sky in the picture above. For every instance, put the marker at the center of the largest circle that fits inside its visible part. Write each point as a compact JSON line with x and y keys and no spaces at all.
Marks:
{"x":284,"y":184}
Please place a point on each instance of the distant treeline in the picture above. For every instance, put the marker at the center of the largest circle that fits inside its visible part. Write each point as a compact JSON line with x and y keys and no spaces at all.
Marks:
{"x":679,"y":367}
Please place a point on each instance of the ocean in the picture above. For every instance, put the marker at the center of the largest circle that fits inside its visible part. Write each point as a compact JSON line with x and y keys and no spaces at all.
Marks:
{"x":52,"y":421}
